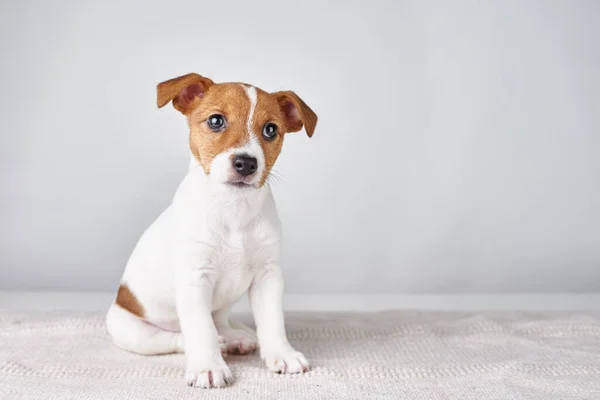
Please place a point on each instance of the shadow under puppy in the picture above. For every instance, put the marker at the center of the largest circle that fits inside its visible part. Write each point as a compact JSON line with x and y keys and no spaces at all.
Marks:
{"x":219,"y":238}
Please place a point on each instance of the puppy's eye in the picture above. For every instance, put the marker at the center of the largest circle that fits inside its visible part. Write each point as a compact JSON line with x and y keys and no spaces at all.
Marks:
{"x":270,"y":131}
{"x":216,"y":122}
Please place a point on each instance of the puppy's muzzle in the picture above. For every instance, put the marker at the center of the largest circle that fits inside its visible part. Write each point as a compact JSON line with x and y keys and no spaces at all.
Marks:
{"x":244,"y":164}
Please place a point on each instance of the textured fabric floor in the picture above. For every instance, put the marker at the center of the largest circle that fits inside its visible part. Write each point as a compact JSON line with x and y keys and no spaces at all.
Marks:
{"x":387,"y":355}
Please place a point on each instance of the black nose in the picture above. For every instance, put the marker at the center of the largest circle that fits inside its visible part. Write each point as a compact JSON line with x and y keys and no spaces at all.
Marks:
{"x":244,"y":164}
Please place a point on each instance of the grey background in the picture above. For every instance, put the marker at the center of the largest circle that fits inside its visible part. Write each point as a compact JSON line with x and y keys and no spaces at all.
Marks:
{"x":457,"y":148}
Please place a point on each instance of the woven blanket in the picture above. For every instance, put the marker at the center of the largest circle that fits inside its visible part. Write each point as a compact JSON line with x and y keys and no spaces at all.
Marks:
{"x":385,"y":355}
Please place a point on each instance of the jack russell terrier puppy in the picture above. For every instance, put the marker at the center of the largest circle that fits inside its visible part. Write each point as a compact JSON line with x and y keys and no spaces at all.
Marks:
{"x":219,"y":238}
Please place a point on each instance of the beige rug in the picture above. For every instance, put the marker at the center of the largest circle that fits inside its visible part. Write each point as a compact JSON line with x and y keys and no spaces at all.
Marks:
{"x":388,"y":355}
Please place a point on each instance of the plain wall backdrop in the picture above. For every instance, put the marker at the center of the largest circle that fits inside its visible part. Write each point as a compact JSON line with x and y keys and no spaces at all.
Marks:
{"x":457,"y":150}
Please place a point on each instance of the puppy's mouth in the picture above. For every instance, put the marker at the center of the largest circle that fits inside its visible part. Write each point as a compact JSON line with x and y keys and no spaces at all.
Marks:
{"x":239,"y":184}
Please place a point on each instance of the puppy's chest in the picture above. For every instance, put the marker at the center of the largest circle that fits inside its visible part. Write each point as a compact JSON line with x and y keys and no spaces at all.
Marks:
{"x":236,"y":258}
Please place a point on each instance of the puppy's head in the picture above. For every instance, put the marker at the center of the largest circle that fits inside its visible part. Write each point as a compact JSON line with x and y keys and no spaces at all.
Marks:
{"x":236,"y":130}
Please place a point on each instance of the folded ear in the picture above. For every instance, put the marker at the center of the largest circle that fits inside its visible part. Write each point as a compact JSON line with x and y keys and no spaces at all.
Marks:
{"x":297,"y":114}
{"x":184,"y":91}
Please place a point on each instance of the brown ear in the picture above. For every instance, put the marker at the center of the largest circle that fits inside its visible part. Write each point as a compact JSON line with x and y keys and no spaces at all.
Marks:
{"x":183,"y":91}
{"x":297,"y":114}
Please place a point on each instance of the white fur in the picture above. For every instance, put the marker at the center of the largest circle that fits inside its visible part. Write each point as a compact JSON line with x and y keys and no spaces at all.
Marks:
{"x":210,"y":246}
{"x":252,"y":96}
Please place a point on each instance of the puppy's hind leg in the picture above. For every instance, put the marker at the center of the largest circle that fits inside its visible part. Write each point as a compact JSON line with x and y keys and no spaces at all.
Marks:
{"x":236,"y":338}
{"x":238,"y":325}
{"x":138,"y":336}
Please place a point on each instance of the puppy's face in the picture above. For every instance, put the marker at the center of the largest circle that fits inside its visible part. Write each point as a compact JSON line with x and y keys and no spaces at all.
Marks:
{"x":236,"y":130}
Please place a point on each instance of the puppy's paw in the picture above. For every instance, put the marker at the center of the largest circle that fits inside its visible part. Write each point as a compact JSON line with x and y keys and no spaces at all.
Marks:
{"x":287,"y":362}
{"x":216,"y":377}
{"x":237,"y":341}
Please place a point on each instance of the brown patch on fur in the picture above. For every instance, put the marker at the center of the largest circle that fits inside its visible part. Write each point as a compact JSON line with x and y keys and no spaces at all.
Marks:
{"x":289,"y":113}
{"x":184,"y":91}
{"x":231,"y":101}
{"x":297,"y":114}
{"x":268,"y":110}
{"x":127,"y":300}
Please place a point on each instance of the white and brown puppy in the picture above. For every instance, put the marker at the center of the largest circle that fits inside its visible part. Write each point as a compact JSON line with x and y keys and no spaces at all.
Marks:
{"x":219,"y":238}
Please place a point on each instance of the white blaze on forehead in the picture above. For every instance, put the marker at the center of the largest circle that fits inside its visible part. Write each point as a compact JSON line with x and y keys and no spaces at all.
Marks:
{"x":252,"y":146}
{"x":251,"y":93}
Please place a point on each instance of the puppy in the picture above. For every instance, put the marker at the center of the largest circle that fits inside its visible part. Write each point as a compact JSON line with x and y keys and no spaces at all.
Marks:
{"x":219,"y":238}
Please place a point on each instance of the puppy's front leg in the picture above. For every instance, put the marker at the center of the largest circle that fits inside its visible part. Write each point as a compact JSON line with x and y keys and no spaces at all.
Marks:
{"x":205,"y":365}
{"x":266,"y":300}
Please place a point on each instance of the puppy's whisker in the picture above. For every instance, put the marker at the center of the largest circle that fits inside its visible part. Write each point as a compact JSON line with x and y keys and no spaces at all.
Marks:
{"x":278,"y":174}
{"x":275,"y":178}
